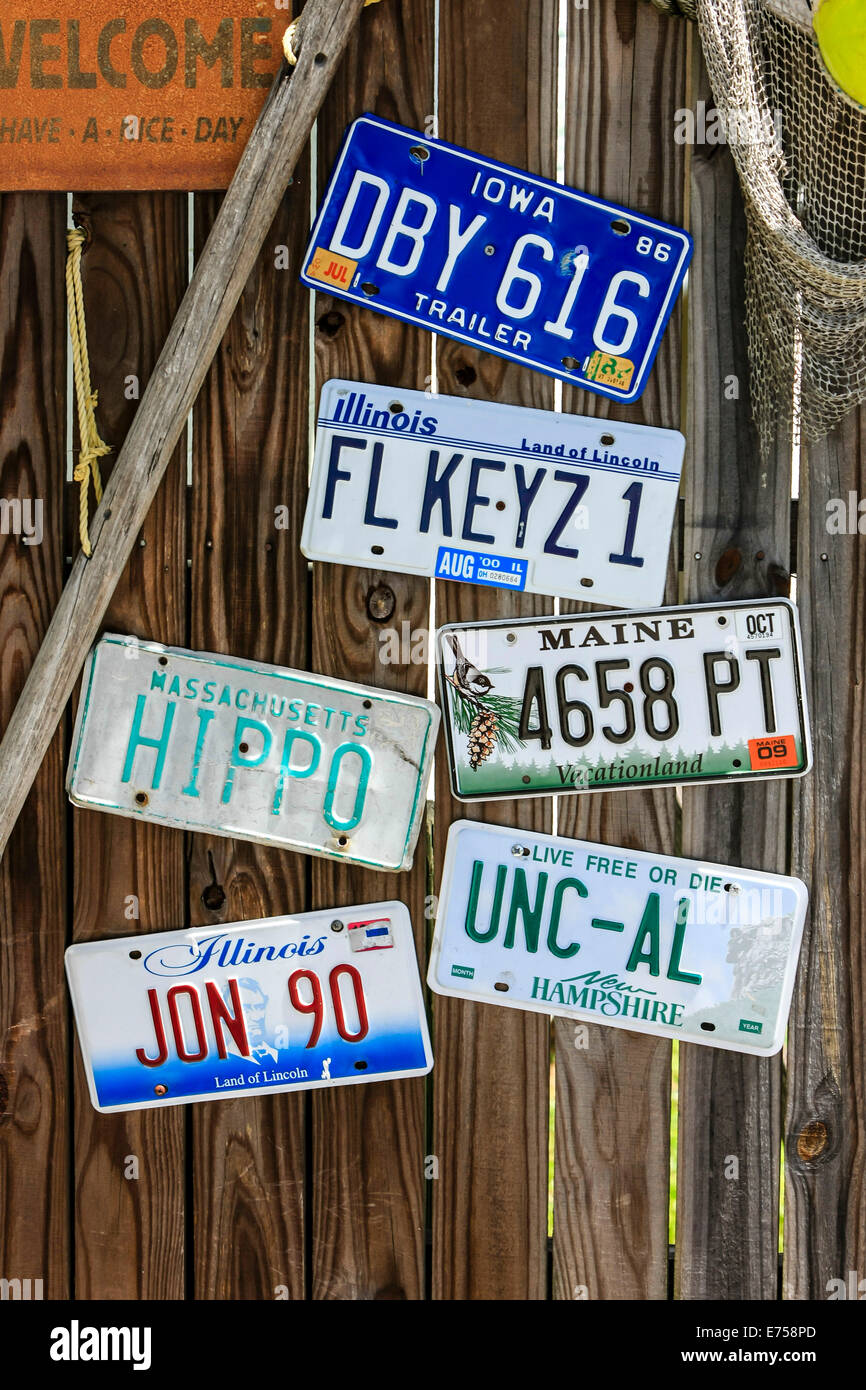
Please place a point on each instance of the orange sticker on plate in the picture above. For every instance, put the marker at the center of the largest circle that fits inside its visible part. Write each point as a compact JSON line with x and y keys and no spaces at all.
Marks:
{"x":331,"y":269}
{"x":780,"y":750}
{"x":613,"y":371}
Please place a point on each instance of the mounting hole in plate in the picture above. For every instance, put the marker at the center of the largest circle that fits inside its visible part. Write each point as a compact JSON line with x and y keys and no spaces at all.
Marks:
{"x":608,"y":439}
{"x":587,"y":583}
{"x":570,"y":364}
{"x":141,"y":798}
{"x":135,"y":955}
{"x":737,"y":763}
{"x":708,"y":1027}
{"x":527,"y":780}
{"x":342,"y":841}
{"x":722,"y":620}
{"x":620,"y":226}
{"x":368,"y":704}
{"x":629,"y":686}
{"x":503,"y":989}
{"x":336,"y":926}
{"x":396,"y":408}
{"x":243,"y":748}
{"x":732,"y":887}
{"x":419,"y":153}
{"x":377,"y":550}
{"x":510,"y":637}
{"x":160,"y":1090}
{"x":360,"y":1066}
{"x":490,"y":249}
{"x":500,"y":506}
{"x":163,"y":661}
{"x":369,"y":288}
{"x":520,"y":851}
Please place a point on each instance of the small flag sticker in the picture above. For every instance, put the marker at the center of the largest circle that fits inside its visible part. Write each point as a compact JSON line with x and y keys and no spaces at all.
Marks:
{"x":371,"y":936}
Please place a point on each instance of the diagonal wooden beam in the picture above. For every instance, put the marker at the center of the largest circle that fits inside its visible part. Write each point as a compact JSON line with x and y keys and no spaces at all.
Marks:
{"x":247,"y":212}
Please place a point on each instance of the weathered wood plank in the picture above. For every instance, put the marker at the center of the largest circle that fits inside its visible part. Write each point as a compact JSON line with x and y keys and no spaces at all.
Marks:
{"x":246,"y":214}
{"x":130,"y":876}
{"x":34,"y":1041}
{"x":369,"y":1141}
{"x":497,"y":65}
{"x":825,"y":1185}
{"x":736,"y":546}
{"x":626,"y":76}
{"x":249,"y":597}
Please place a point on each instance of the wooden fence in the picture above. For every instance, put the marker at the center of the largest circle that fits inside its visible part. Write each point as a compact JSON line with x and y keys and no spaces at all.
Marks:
{"x":438,"y":1188}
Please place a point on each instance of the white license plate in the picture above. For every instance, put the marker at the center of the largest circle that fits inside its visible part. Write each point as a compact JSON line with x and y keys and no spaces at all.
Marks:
{"x":695,"y":694}
{"x":492,"y":494}
{"x":677,"y":947}
{"x":252,"y":751}
{"x":329,"y":998}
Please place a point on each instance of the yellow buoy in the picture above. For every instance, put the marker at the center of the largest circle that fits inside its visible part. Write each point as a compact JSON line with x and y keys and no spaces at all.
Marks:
{"x":840,"y":27}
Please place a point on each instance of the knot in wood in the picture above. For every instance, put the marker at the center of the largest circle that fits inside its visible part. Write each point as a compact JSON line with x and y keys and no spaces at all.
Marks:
{"x":381,"y":602}
{"x":812,"y":1141}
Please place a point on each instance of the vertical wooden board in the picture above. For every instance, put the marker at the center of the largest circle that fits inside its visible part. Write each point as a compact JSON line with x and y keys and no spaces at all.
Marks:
{"x":34,"y":1041}
{"x":369,"y":1141}
{"x":626,"y":79}
{"x":497,"y":65}
{"x":249,"y":598}
{"x":129,"y":1235}
{"x":825,"y":1186}
{"x":737,"y":545}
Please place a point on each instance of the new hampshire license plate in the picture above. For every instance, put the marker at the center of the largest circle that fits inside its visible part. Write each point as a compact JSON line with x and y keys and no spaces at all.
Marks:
{"x":600,"y":701}
{"x":676,"y":947}
{"x":252,"y":1008}
{"x":252,"y":751}
{"x":497,"y":495}
{"x":549,"y":277}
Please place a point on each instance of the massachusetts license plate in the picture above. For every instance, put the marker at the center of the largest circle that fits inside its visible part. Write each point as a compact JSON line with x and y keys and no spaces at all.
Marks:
{"x":490,"y":255}
{"x":492,"y":494}
{"x":608,"y":700}
{"x":252,"y":751}
{"x":283,"y":1004}
{"x":677,"y":947}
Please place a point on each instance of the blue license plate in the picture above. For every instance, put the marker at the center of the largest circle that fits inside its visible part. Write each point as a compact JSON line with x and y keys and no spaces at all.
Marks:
{"x":554,"y":279}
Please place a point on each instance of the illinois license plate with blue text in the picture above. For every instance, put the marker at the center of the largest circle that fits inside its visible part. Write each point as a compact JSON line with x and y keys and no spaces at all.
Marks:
{"x":496,"y":495}
{"x":518,"y":265}
{"x":329,"y":998}
{"x":674,"y":947}
{"x":252,"y":751}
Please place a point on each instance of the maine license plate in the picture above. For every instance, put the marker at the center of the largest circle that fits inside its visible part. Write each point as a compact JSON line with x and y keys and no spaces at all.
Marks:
{"x":610,"y":700}
{"x":492,"y":494}
{"x":551,"y":278}
{"x":690,"y":950}
{"x":252,"y":751}
{"x":284,"y":1004}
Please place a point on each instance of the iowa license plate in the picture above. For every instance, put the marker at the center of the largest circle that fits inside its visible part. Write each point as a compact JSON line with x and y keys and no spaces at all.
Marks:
{"x":252,"y":1008}
{"x":609,"y":700}
{"x":252,"y":751}
{"x":492,"y":494}
{"x":676,"y":947}
{"x":526,"y":268}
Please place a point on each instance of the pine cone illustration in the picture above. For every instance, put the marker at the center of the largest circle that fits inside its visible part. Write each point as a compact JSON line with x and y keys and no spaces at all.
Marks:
{"x":482,"y":737}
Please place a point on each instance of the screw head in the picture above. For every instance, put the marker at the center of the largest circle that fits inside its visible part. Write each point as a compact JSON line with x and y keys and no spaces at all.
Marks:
{"x":381,"y":602}
{"x":336,"y":926}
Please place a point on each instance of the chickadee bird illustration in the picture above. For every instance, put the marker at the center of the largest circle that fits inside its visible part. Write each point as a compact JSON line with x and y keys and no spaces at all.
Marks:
{"x":468,"y":677}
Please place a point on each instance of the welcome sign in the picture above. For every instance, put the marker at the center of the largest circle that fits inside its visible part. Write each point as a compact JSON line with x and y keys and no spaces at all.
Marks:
{"x":107,"y":94}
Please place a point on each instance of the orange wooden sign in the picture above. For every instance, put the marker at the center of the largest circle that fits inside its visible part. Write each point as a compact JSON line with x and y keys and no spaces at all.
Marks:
{"x":107,"y":94}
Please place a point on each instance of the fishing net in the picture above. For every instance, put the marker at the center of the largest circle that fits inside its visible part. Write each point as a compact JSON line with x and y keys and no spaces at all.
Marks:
{"x":799,"y":144}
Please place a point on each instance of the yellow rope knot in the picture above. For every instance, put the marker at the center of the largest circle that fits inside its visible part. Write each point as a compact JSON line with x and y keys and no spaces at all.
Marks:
{"x":92,"y":447}
{"x":289,"y":38}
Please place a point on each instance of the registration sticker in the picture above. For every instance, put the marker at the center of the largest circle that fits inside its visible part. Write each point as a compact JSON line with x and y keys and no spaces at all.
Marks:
{"x":613,"y":371}
{"x":332,"y":269}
